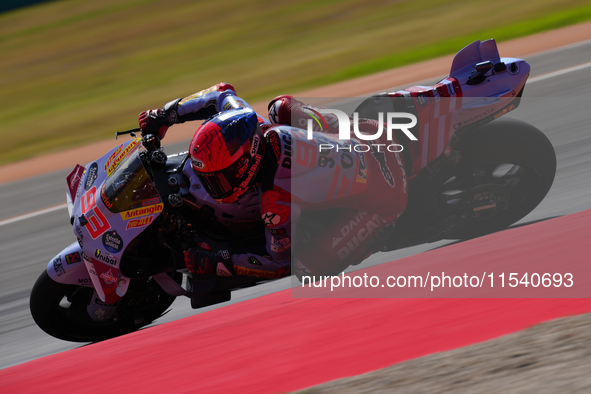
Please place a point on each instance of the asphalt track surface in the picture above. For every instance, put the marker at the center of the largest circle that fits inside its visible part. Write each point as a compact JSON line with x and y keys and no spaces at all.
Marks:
{"x":555,"y":102}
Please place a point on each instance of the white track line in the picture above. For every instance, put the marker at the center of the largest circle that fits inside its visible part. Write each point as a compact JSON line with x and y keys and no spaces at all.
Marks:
{"x":32,"y":214}
{"x":559,"y":72}
{"x":530,"y":80}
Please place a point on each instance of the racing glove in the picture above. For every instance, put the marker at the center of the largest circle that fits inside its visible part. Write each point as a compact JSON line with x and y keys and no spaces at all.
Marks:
{"x":157,"y":121}
{"x":201,"y":261}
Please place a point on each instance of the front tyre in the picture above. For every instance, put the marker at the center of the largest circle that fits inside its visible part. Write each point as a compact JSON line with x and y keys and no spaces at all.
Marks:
{"x":61,"y":310}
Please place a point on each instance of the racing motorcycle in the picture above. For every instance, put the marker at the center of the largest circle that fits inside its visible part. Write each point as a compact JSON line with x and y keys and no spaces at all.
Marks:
{"x":135,"y":209}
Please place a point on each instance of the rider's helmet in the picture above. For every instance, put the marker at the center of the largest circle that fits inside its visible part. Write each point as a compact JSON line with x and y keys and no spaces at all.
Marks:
{"x":226,"y":153}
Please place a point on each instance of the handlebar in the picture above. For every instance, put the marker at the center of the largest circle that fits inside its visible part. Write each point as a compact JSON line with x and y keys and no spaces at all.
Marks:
{"x":132,"y":132}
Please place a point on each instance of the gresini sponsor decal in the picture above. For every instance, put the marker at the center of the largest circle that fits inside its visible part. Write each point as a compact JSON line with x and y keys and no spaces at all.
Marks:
{"x":151,"y":201}
{"x":113,"y":156}
{"x":74,"y":181}
{"x":58,"y":267}
{"x":143,"y":211}
{"x":254,"y":272}
{"x":144,"y":221}
{"x":73,"y":258}
{"x":503,"y":112}
{"x":112,"y":242}
{"x":108,"y":277}
{"x":119,"y":154}
{"x":91,"y":176}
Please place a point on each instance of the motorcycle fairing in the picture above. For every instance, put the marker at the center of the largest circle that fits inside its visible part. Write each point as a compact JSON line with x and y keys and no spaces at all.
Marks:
{"x":453,"y":103}
{"x":71,"y":267}
{"x":73,"y":180}
{"x":473,"y":53}
{"x":109,"y":211}
{"x":67,"y":267}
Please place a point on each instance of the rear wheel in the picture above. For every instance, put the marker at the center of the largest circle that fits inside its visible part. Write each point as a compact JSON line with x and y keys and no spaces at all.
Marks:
{"x":62,"y":310}
{"x":508,"y":155}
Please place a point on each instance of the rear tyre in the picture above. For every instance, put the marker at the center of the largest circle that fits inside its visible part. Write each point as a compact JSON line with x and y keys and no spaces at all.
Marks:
{"x":508,"y":153}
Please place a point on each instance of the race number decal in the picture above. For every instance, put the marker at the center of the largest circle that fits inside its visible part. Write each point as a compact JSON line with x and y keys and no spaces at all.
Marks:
{"x":97,"y":222}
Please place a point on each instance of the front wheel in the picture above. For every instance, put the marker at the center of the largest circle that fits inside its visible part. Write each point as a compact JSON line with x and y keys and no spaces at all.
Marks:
{"x":510,"y":155}
{"x":62,"y":310}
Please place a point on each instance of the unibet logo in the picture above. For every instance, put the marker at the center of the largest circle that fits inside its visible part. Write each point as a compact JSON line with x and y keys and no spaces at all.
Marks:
{"x":105,"y":258}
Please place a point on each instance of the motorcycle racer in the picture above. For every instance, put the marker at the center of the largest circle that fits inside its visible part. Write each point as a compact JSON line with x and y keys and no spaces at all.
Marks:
{"x":329,"y":203}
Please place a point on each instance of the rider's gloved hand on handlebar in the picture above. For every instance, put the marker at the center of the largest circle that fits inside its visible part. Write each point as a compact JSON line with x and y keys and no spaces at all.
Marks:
{"x":154,"y":122}
{"x":157,"y":121}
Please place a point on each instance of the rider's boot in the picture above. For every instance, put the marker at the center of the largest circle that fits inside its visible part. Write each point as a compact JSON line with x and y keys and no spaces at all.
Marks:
{"x":203,"y":262}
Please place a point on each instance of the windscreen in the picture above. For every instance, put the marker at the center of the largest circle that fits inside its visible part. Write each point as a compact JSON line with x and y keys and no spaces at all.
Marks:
{"x":129,"y":186}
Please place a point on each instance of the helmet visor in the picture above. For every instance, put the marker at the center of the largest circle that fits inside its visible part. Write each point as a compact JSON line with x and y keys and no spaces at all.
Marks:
{"x":223,"y":183}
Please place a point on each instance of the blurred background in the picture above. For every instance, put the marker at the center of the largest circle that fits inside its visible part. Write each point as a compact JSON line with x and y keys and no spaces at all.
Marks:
{"x":73,"y":71}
